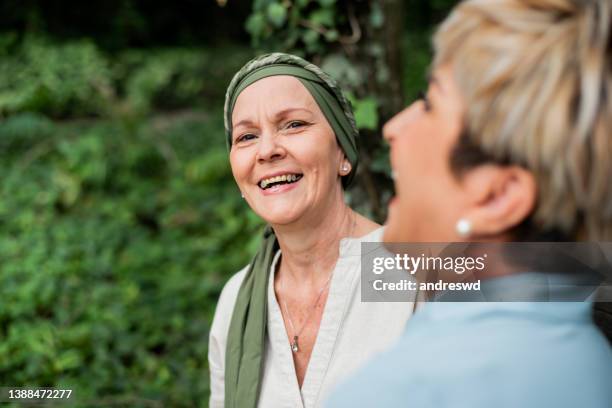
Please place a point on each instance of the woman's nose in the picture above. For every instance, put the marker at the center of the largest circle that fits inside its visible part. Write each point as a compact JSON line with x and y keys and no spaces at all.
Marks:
{"x":269,"y":149}
{"x":390,"y":129}
{"x":396,"y":126}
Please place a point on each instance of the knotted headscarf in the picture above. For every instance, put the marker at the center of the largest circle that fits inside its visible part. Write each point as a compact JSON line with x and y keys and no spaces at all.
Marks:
{"x":246,"y":335}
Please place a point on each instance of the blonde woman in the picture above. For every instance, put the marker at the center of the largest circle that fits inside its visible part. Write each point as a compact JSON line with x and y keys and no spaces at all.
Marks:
{"x":512,"y":142}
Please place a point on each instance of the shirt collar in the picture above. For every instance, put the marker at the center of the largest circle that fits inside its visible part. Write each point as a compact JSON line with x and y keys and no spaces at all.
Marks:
{"x":493,"y":291}
{"x":351,"y":247}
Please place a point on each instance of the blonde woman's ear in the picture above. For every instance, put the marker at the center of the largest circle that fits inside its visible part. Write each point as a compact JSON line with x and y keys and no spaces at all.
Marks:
{"x":501,"y":198}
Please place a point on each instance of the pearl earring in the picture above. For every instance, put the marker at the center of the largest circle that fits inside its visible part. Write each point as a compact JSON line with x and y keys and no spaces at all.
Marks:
{"x":345,"y":167}
{"x":463,"y":227}
{"x":241,"y":194}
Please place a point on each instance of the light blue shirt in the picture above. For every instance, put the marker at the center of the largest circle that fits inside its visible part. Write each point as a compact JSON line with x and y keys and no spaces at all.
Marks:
{"x":493,"y":355}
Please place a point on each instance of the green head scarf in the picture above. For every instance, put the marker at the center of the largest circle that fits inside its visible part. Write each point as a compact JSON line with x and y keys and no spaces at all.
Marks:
{"x":322,"y":87}
{"x":246,"y":335}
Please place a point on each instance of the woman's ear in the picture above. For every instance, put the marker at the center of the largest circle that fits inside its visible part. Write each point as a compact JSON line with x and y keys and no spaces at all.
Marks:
{"x":500,"y":198}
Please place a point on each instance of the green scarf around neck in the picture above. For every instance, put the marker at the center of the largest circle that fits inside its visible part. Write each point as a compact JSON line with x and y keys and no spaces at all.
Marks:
{"x":247,"y":332}
{"x":244,"y":351}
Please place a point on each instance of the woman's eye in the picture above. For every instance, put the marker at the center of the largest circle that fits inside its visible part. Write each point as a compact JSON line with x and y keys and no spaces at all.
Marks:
{"x":295,"y":124}
{"x":246,"y":137}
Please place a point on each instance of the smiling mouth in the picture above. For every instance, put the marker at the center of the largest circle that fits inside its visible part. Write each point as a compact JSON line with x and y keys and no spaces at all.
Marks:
{"x":279,"y":180}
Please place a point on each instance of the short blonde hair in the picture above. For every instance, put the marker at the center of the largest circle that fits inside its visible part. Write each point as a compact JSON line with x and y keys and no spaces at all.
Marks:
{"x":536,"y":80}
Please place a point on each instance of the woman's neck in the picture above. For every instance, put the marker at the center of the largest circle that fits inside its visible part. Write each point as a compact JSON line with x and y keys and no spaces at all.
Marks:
{"x":310,"y":250}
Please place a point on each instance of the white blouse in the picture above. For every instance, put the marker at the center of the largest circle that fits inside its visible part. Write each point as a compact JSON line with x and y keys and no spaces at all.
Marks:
{"x":351,"y":332}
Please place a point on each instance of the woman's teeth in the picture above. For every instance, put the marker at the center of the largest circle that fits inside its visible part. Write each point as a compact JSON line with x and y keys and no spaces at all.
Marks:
{"x":285,"y":178}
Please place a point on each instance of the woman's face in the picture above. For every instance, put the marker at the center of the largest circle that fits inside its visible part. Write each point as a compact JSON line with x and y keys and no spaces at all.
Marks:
{"x":284,"y":154}
{"x":429,"y":198}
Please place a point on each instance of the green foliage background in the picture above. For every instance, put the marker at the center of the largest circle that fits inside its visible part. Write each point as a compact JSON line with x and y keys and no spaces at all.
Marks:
{"x":119,"y":218}
{"x":116,"y":229}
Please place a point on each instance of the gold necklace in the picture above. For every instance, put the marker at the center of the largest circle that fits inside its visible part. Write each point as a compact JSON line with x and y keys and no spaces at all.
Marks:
{"x":294,"y":344}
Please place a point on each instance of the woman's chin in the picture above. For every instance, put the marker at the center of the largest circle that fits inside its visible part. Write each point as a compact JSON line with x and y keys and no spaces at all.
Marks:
{"x":280,"y":216}
{"x":390,"y":234}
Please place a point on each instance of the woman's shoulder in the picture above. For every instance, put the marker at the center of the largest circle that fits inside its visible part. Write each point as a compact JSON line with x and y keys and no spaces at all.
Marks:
{"x":227,"y":299}
{"x":375,"y":234}
{"x":229,"y":293}
{"x":372,"y":235}
{"x":224,"y":311}
{"x":218,"y":335}
{"x":366,"y":227}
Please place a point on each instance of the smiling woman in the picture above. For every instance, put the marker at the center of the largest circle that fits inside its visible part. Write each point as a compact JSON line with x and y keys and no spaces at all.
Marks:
{"x":273,"y":142}
{"x":290,"y":325}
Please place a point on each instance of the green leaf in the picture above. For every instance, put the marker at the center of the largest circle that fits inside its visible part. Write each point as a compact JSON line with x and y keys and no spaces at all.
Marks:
{"x":340,"y":68}
{"x":382,"y":74}
{"x":255,"y":24}
{"x":277,"y":14}
{"x":366,"y":112}
{"x":377,"y":17}
{"x":310,"y":37}
{"x":67,"y":360}
{"x":322,"y":17}
{"x":331,"y":35}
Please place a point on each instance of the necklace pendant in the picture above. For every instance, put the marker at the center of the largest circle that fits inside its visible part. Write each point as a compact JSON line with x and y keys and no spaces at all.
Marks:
{"x":294,"y":345}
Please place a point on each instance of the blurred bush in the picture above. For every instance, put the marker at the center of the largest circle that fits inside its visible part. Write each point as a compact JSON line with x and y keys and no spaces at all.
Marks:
{"x":116,"y":240}
{"x":71,"y":78}
{"x":172,"y":78}
{"x":77,"y":79}
{"x":119,"y":219}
